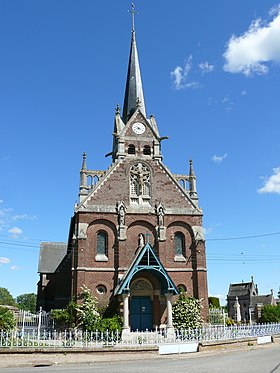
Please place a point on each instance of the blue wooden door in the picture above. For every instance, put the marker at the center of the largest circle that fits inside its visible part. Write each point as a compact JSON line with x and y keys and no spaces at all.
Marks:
{"x":141,"y":313}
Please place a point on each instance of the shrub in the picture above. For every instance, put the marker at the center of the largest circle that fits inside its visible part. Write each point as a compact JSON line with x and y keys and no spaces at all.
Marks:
{"x":65,"y":318}
{"x":187,"y":312}
{"x":7,"y":319}
{"x":270,"y":314}
{"x":87,"y":312}
{"x":230,"y":322}
{"x":214,"y":302}
{"x":112,"y":324}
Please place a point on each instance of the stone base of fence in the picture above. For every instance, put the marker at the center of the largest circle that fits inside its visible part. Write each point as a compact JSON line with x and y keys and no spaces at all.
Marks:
{"x":103,"y":350}
{"x":276,"y":338}
{"x":233,"y":344}
{"x":202,"y":347}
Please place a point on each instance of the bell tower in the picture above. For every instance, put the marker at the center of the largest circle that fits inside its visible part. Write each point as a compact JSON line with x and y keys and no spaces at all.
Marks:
{"x":134,"y":134}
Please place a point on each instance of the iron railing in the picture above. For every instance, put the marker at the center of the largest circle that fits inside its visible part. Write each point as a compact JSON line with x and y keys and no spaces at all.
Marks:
{"x":96,"y":339}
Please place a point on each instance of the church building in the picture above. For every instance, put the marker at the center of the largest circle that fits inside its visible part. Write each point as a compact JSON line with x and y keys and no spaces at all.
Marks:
{"x":136,"y":237}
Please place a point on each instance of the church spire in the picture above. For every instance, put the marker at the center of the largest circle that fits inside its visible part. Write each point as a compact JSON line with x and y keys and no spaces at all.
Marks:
{"x":134,"y":97}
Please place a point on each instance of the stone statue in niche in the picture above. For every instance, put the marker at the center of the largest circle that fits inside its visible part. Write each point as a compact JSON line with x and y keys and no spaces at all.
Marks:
{"x":161,"y":229}
{"x":141,"y":241}
{"x":160,"y":214}
{"x":121,"y":213}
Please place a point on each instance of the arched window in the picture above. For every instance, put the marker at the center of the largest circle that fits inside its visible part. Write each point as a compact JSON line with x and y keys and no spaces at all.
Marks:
{"x":101,"y":246}
{"x":147,"y":150}
{"x":179,"y":245}
{"x":89,"y":180}
{"x":95,"y":179}
{"x":131,"y":149}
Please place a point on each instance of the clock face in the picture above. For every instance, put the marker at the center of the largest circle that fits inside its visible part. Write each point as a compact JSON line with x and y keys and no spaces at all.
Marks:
{"x":138,"y":128}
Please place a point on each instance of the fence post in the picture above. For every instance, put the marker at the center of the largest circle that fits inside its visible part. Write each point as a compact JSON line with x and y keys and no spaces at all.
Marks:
{"x":23,"y":322}
{"x":39,"y":323}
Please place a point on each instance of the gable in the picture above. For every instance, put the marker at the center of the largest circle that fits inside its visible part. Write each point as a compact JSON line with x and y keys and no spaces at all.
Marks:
{"x":116,"y":186}
{"x":146,"y":260}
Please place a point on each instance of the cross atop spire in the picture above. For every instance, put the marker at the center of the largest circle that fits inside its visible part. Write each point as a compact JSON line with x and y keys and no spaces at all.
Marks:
{"x":134,"y":96}
{"x":133,"y":12}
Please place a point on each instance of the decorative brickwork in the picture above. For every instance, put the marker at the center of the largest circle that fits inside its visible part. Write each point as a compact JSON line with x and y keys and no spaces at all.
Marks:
{"x":135,"y":202}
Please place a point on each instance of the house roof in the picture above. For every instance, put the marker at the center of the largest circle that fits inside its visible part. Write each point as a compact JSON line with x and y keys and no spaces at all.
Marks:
{"x":262,"y":299}
{"x":51,"y":255}
{"x":239,"y":290}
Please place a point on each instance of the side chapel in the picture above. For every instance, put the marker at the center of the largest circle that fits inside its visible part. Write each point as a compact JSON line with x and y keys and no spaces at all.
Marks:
{"x":136,"y":237}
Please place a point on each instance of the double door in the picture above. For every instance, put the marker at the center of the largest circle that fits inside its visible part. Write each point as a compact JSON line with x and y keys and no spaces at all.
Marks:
{"x":141,"y":317}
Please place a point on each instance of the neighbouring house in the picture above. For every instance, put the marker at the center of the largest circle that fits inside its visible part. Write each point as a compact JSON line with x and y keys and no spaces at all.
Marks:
{"x":251,"y":303}
{"x":136,"y":236}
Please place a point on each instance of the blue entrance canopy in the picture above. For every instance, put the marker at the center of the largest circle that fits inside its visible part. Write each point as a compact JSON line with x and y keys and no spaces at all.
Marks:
{"x":146,"y":261}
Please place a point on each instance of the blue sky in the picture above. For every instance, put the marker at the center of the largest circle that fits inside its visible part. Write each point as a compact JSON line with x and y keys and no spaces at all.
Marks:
{"x":210,"y":72}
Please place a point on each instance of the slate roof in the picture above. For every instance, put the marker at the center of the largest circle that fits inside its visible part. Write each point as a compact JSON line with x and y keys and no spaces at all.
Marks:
{"x":134,"y":89}
{"x":262,"y":299}
{"x":51,"y":255}
{"x":239,"y":290}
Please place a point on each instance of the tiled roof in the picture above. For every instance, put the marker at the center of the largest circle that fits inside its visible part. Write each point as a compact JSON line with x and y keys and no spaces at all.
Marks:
{"x":262,"y":299}
{"x":51,"y":255}
{"x":241,"y":289}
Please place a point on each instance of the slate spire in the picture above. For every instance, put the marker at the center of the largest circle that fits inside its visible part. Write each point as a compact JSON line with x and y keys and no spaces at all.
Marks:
{"x":134,"y":97}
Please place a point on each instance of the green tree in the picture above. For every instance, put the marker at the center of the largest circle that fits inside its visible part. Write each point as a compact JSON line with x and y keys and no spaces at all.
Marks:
{"x":87,"y":312}
{"x":270,"y":314}
{"x":27,"y":302}
{"x":7,"y":319}
{"x":6,"y":298}
{"x":187,"y":312}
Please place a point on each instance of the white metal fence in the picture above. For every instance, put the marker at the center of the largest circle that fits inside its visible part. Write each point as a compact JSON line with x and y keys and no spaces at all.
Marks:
{"x":84,"y":339}
{"x":217,"y":316}
{"x":27,"y":321}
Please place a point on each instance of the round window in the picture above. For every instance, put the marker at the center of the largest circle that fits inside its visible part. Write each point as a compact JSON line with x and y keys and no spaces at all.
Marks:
{"x":182,"y":288}
{"x":101,"y":289}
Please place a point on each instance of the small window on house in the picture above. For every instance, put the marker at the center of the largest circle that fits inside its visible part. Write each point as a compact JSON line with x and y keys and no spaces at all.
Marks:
{"x":179,"y":246}
{"x":131,"y":149}
{"x":147,"y":150}
{"x":101,"y":246}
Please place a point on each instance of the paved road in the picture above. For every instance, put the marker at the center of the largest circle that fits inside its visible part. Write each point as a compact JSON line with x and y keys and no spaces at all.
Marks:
{"x":262,"y":360}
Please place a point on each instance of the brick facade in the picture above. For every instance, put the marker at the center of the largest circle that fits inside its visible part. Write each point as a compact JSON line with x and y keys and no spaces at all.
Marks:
{"x":135,"y":201}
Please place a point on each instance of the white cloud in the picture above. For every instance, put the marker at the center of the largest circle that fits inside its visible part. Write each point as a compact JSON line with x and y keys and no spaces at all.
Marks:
{"x":14,"y":268}
{"x":243,"y":92}
{"x":205,"y":67}
{"x":193,"y":85}
{"x":219,"y":158}
{"x":250,"y":53}
{"x":180,"y":74}
{"x":15,"y":231}
{"x":272,"y":184}
{"x":228,"y":102}
{"x":22,"y":217}
{"x":4,"y":260}
{"x":1,"y":201}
